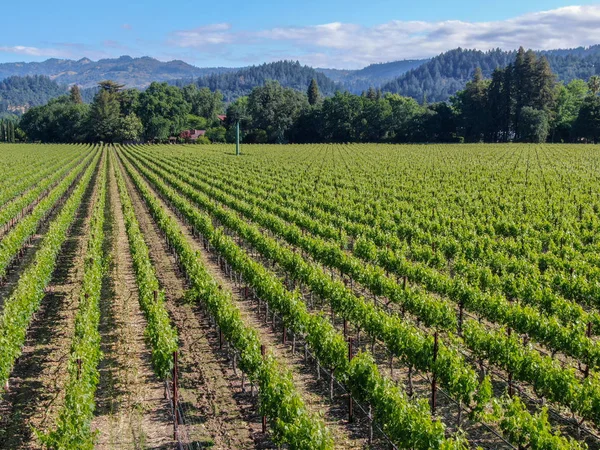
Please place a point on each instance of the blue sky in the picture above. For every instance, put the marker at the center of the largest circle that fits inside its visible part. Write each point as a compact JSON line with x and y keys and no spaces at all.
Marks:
{"x":326,"y":33}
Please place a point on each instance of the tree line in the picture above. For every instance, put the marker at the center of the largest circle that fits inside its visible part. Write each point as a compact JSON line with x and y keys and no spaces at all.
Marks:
{"x":521,"y":102}
{"x":7,"y":131}
{"x":126,"y":115}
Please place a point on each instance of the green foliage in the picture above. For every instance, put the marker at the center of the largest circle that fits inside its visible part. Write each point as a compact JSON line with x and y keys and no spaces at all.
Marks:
{"x":73,"y":426}
{"x":161,"y":335}
{"x":216,"y":134}
{"x":328,"y":345}
{"x":534,"y":126}
{"x":292,"y":424}
{"x":587,"y":124}
{"x":274,"y":109}
{"x":163,"y":111}
{"x":105,"y":116}
{"x":130,"y":128}
{"x":241,"y":82}
{"x":58,"y":121}
{"x":25,"y":299}
{"x":313,"y":93}
{"x":204,"y":103}
{"x":28,"y":91}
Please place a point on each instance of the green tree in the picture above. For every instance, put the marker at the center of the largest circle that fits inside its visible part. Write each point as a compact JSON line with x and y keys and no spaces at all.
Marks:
{"x":216,"y":134}
{"x":111,"y":86}
{"x":105,"y":115}
{"x":594,"y":84}
{"x":534,"y":125}
{"x":194,"y":122}
{"x":313,"y":93}
{"x":500,"y":105}
{"x":75,"y":95}
{"x":163,"y":111}
{"x":472,"y":104}
{"x":569,"y":99}
{"x":58,"y":121}
{"x":11,"y":131}
{"x":587,"y":125}
{"x":130,"y":128}
{"x":129,"y":101}
{"x":204,"y":102}
{"x":274,"y":109}
{"x":405,"y":111}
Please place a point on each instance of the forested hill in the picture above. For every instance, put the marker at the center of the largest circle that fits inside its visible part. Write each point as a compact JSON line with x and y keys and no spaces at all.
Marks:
{"x":449,"y":72}
{"x":374,"y":75}
{"x":287,"y":73}
{"x":17,"y":94}
{"x":132,"y":72}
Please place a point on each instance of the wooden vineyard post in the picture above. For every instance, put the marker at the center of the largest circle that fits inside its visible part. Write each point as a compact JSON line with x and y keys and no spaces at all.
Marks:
{"x":264,"y":418}
{"x":460,"y":318}
{"x":434,"y":378}
{"x":237,"y":138}
{"x":586,"y":374}
{"x":175,"y":396}
{"x":350,"y":400}
{"x":510,"y":375}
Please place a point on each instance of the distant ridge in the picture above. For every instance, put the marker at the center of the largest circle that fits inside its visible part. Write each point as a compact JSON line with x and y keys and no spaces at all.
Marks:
{"x":373,"y":75}
{"x":443,"y":76}
{"x":132,"y":72}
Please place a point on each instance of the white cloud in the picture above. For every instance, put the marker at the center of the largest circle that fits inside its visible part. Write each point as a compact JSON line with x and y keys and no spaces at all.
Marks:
{"x":351,"y":45}
{"x":34,"y":51}
{"x":205,"y":36}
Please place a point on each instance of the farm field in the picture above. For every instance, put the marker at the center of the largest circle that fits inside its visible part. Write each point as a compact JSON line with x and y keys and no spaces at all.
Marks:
{"x":300,"y":296}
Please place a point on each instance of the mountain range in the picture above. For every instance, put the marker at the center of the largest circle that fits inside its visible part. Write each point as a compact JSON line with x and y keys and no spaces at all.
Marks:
{"x":132,"y":72}
{"x":435,"y":79}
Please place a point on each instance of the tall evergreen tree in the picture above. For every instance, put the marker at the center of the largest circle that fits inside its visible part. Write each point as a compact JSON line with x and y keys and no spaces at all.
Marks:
{"x":11,"y":131}
{"x":105,"y":116}
{"x":313,"y":92}
{"x":75,"y":95}
{"x":594,"y":84}
{"x":544,"y":86}
{"x":472,"y":103}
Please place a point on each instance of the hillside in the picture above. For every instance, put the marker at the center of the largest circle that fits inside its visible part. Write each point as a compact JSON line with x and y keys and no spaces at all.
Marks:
{"x":17,"y":94}
{"x":287,"y":73}
{"x":444,"y":75}
{"x":373,"y":75}
{"x":132,"y":72}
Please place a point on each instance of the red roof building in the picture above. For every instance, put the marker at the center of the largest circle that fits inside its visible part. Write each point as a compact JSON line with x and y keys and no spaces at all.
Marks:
{"x":192,"y":135}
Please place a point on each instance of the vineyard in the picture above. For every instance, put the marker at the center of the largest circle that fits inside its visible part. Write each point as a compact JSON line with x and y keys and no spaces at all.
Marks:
{"x":300,"y":296}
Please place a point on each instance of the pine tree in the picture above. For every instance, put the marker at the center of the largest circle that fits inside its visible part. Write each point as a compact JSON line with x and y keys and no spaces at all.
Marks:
{"x":75,"y":95}
{"x":544,"y":86}
{"x":371,"y":94}
{"x":594,"y":84}
{"x":12,"y":132}
{"x":2,"y":131}
{"x":104,"y":116}
{"x":313,"y":93}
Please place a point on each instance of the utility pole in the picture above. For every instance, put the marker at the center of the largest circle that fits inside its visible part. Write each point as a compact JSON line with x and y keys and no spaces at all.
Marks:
{"x":237,"y":138}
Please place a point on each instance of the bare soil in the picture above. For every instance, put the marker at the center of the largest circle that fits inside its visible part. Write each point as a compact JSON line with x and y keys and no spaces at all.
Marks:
{"x":36,"y":385}
{"x":132,"y":412}
{"x":217,"y":414}
{"x":314,"y":392}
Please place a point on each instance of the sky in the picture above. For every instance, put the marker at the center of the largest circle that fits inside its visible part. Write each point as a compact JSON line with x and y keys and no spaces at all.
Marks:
{"x":346,"y":34}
